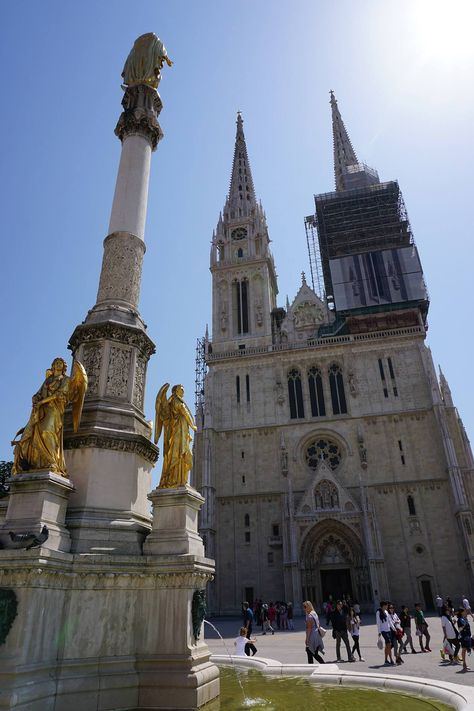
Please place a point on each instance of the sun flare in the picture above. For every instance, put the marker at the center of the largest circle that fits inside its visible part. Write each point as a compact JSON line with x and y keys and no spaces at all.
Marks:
{"x":443,"y":30}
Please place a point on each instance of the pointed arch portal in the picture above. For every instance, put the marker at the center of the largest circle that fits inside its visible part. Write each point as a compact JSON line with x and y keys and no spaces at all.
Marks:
{"x":333,"y":563}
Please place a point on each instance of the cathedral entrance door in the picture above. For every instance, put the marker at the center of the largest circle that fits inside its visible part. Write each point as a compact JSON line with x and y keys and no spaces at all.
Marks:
{"x":336,"y":582}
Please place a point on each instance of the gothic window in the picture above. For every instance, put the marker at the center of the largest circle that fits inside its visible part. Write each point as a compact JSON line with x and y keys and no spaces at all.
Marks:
{"x":323,"y":450}
{"x":316,"y":394}
{"x":336,"y":384}
{"x":241,"y":305}
{"x":392,"y":375}
{"x":326,"y":495}
{"x":411,"y":506}
{"x":382,"y":377}
{"x":220,"y":251}
{"x":240,"y":253}
{"x":295,"y":394}
{"x":247,"y":536}
{"x":275,"y":530}
{"x":247,"y":520}
{"x":247,"y":386}
{"x":237,"y":387}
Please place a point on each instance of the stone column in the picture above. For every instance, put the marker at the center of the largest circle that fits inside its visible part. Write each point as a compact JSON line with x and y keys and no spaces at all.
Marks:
{"x":111,"y":457}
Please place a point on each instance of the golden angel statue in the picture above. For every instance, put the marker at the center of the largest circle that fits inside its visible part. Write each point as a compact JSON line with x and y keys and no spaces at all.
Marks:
{"x":175,"y":416}
{"x":41,"y":442}
{"x":145,"y":61}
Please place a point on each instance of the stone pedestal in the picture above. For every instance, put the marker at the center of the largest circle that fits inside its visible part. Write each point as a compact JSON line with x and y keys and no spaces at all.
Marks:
{"x":36,"y":500}
{"x":110,"y":632}
{"x":175,"y":522}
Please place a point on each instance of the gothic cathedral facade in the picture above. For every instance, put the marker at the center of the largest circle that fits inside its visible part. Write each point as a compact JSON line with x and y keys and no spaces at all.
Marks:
{"x":331,"y":457}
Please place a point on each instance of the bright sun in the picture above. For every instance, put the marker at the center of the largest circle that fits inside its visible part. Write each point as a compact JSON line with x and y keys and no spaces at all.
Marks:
{"x":443,"y":30}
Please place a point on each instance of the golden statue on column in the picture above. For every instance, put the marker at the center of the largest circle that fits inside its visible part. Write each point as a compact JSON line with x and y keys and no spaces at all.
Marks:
{"x":41,"y":441}
{"x":175,"y":417}
{"x":145,"y":61}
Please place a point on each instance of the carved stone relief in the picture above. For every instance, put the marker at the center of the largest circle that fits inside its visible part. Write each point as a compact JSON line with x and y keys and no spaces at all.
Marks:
{"x":92,"y":360}
{"x":139,"y":387}
{"x":120,"y":277}
{"x":118,"y":372}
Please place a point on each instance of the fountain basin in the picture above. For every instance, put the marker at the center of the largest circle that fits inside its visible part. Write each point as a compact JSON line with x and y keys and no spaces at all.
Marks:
{"x":456,"y":696}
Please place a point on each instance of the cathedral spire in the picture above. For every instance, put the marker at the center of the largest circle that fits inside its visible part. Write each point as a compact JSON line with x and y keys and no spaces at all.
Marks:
{"x":348,"y":172}
{"x":241,"y":191}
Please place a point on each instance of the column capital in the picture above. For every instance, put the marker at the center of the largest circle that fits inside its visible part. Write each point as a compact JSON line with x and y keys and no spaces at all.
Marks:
{"x":142,"y":106}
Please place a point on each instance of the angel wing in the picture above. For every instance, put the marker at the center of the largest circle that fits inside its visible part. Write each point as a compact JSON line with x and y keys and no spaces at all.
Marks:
{"x":78,"y":387}
{"x":161,"y":410}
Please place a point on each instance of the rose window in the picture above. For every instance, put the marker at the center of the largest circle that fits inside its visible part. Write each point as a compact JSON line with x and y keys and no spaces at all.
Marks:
{"x":323,"y":450}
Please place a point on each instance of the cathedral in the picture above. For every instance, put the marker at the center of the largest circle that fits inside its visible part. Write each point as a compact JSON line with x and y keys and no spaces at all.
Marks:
{"x":331,"y":457}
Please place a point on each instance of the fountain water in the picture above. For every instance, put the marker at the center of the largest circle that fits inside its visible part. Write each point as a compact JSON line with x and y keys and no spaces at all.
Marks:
{"x":248,"y":702}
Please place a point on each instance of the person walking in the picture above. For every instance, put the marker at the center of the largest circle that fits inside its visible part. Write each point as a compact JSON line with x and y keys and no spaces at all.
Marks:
{"x":314,"y":644}
{"x":439,"y":603}
{"x":289,"y":608}
{"x":339,"y":631}
{"x":354,"y":629}
{"x":248,"y":619}
{"x":384,"y":628}
{"x":449,"y":635}
{"x":405,"y":621}
{"x":464,"y":634}
{"x":329,"y":610}
{"x":265,"y":621}
{"x":396,"y":633}
{"x":422,"y":628}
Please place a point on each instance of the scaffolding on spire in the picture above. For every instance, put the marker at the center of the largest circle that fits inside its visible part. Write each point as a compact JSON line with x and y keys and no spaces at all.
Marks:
{"x":201,"y":370}
{"x":314,"y":256}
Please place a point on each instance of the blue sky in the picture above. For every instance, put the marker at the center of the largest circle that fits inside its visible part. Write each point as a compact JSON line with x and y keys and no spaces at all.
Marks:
{"x":401,"y":70}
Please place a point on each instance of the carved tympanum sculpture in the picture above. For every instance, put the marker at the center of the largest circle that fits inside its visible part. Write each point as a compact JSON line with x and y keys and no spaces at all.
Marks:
{"x":174,"y":416}
{"x":145,"y":61}
{"x":41,"y":442}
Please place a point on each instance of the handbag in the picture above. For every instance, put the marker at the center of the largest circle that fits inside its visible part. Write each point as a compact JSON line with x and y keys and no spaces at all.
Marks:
{"x":448,"y":648}
{"x":380,"y":643}
{"x":399,"y":632}
{"x":322,"y":631}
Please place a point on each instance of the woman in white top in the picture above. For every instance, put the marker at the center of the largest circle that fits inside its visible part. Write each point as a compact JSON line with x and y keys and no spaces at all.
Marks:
{"x":314,"y":642}
{"x":397,"y":633}
{"x":384,"y":628}
{"x":354,"y":628}
{"x":449,"y":634}
{"x":244,"y":645}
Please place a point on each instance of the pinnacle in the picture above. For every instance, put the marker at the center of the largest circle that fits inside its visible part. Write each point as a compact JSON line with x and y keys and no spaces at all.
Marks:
{"x":241,"y":191}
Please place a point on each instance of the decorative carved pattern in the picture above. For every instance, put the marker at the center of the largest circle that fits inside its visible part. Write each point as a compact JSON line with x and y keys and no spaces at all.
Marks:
{"x":326,"y":495}
{"x":139,"y":387}
{"x":81,"y":576}
{"x":120,"y":276}
{"x":142,"y":106}
{"x":135,"y":444}
{"x":112,"y":332}
{"x":92,"y":360}
{"x":8,"y":611}
{"x":118,"y":372}
{"x":307,"y":314}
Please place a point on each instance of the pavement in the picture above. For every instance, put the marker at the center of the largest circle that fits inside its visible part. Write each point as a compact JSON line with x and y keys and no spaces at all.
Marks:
{"x":288,"y":647}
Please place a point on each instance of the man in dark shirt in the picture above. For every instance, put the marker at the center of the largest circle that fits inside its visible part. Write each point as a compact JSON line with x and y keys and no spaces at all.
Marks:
{"x":339,"y":628}
{"x":248,"y":619}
